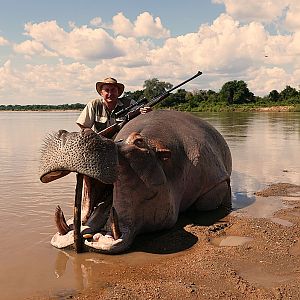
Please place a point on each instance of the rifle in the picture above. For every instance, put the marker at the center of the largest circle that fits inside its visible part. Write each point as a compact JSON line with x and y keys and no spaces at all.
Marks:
{"x":129,"y":113}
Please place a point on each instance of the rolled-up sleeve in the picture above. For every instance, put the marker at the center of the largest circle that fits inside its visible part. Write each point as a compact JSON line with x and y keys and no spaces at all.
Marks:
{"x":87,"y":116}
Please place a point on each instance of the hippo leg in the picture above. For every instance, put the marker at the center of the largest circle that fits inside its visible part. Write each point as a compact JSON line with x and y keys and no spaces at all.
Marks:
{"x":219,"y":196}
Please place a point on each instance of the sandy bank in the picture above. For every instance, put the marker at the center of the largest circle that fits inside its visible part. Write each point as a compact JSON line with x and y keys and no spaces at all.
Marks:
{"x":237,"y":257}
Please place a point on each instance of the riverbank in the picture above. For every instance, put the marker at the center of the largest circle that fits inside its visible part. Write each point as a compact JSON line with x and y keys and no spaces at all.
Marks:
{"x":246,"y":108}
{"x":278,"y":108}
{"x":233,"y":108}
{"x":274,"y":109}
{"x":241,"y":256}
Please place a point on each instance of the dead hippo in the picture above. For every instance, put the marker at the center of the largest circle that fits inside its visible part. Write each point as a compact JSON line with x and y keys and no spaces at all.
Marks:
{"x":159,"y":165}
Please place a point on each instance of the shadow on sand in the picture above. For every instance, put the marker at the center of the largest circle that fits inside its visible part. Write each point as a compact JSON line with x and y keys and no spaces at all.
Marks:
{"x":177,"y":238}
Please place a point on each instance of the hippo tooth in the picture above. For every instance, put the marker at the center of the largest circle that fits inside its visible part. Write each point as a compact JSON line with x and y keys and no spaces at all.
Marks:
{"x":61,"y":224}
{"x":114,"y":223}
{"x":87,"y":236}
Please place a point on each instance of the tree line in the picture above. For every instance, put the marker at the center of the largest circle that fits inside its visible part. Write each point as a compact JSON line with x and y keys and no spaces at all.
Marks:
{"x":42,"y":107}
{"x":233,"y":94}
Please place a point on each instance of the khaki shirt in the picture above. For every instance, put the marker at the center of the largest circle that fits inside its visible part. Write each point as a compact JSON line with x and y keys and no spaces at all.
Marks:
{"x":95,"y":115}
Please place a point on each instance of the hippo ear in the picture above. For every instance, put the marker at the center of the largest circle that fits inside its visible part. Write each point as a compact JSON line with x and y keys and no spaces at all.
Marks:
{"x":145,"y":164}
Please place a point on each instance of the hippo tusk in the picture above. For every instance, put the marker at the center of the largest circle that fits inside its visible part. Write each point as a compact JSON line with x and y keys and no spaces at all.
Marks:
{"x":114,"y":224}
{"x":60,"y":221}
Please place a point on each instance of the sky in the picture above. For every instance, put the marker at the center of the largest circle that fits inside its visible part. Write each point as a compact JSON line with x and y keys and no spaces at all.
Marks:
{"x":54,"y":52}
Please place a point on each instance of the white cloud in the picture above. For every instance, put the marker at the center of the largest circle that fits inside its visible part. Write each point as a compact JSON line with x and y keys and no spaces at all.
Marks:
{"x":30,"y":48}
{"x":293,"y":48}
{"x":10,"y":81}
{"x":292,"y":20}
{"x":96,"y":22}
{"x":81,"y":43}
{"x":144,"y":26}
{"x":264,"y":80}
{"x":88,"y":44}
{"x":3,"y":41}
{"x":223,"y":46}
{"x":121,"y":25}
{"x":71,"y":24}
{"x":252,"y":10}
{"x":60,"y":83}
{"x":228,"y":50}
{"x":224,"y":50}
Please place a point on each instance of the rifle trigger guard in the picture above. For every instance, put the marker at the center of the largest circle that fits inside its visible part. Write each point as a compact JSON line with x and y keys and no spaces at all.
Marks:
{"x":119,"y":120}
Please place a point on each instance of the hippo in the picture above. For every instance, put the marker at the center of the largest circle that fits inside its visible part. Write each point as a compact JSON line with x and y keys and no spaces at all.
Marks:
{"x":158,"y":165}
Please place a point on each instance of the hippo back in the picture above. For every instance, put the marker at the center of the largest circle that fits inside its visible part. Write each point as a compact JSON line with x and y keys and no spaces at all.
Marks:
{"x":200,"y":156}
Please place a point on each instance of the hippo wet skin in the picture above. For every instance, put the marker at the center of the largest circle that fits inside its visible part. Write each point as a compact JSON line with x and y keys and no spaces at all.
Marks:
{"x":159,"y":165}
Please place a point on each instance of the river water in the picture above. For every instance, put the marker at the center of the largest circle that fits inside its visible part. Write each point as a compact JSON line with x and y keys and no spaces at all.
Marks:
{"x":265,"y":149}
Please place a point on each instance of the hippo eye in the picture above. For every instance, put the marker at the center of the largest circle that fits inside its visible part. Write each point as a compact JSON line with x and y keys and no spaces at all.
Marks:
{"x":139,"y":142}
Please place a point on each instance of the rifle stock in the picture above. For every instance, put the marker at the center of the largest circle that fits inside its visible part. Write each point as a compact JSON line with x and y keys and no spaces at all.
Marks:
{"x":110,"y":131}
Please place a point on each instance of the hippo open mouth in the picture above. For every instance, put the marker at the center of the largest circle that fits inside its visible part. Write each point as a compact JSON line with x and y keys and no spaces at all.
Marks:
{"x":95,"y":223}
{"x":99,"y":227}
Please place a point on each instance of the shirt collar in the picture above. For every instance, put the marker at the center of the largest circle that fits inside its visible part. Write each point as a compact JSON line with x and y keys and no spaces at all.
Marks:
{"x":119,"y":103}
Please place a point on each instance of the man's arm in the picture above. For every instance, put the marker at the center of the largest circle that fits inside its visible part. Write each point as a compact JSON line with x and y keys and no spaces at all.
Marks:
{"x":87,"y":117}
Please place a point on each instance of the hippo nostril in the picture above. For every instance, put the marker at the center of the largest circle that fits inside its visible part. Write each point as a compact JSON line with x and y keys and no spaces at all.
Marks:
{"x":61,"y":132}
{"x":61,"y":135}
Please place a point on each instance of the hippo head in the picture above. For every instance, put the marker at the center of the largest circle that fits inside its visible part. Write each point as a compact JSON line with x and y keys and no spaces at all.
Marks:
{"x":123,"y":185}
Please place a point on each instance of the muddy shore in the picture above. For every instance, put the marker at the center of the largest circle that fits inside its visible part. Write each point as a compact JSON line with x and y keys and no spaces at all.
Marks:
{"x":237,"y":257}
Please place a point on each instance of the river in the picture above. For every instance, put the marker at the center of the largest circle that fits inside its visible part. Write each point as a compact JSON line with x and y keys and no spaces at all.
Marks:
{"x":265,"y":149}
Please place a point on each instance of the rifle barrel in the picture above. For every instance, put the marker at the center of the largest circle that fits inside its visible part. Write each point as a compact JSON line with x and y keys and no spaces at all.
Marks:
{"x":113,"y":129}
{"x":156,"y":99}
{"x":184,"y":82}
{"x":167,"y":93}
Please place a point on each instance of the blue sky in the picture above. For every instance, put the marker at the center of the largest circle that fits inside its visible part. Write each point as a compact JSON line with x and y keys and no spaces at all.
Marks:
{"x":55,"y":51}
{"x":15,"y":13}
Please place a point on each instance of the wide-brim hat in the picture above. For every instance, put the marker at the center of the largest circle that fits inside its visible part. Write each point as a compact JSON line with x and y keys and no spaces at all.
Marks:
{"x":113,"y":81}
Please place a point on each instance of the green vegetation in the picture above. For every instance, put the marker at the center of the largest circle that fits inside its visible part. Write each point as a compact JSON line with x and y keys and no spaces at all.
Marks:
{"x":233,"y":96}
{"x":39,"y":107}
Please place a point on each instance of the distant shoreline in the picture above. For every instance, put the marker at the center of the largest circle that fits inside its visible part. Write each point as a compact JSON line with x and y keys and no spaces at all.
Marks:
{"x":277,"y":108}
{"x":40,"y":110}
{"x":280,"y":108}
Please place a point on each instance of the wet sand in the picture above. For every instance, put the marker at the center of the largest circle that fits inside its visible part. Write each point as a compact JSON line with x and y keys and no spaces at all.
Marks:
{"x":242,"y":255}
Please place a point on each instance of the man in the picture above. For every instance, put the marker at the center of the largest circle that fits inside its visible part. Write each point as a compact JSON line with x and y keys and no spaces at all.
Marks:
{"x":100,"y":113}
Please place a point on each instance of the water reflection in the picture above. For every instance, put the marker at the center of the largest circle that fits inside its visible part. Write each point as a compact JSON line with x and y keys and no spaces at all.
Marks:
{"x":234,"y":125}
{"x":270,"y":151}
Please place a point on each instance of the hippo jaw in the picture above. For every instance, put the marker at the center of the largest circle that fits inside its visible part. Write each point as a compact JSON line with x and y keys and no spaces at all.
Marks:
{"x":107,"y":239}
{"x":96,"y":157}
{"x":110,"y":227}
{"x":112,"y":217}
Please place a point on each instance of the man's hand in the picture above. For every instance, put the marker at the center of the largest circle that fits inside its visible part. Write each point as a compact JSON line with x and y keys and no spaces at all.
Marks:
{"x":145,"y":109}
